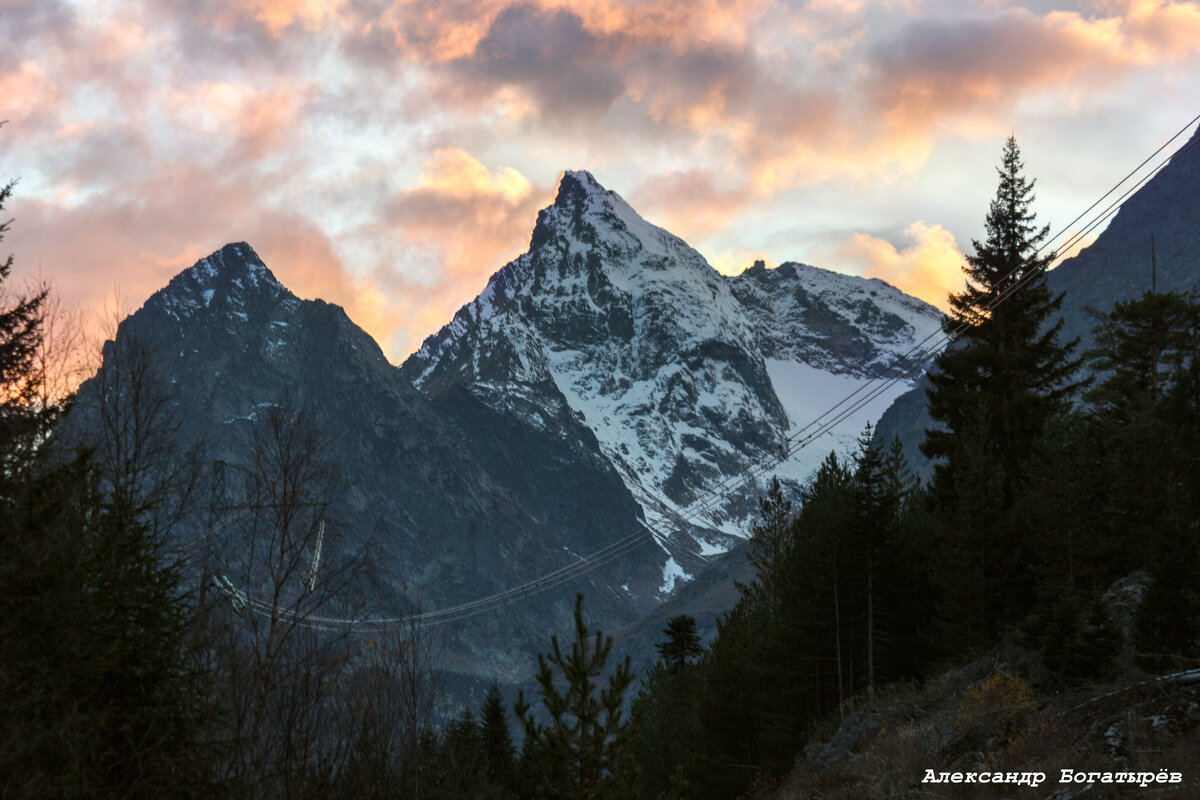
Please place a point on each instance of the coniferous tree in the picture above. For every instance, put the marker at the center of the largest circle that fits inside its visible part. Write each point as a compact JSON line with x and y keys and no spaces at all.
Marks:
{"x":497,"y":741}
{"x":461,"y":761}
{"x":21,"y":336}
{"x":992,"y":393}
{"x":828,"y":572}
{"x":682,"y":643}
{"x":1143,"y":347}
{"x":888,"y":584}
{"x":1146,"y":417}
{"x":907,"y":600}
{"x":875,"y":516}
{"x":582,"y":752}
{"x":771,"y":540}
{"x":1078,"y":551}
{"x":1008,"y":360}
{"x":735,"y":675}
{"x":665,"y":715}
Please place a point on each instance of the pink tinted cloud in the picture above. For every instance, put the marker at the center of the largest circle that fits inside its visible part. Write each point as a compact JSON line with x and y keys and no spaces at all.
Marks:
{"x":928,"y":266}
{"x":467,"y":212}
{"x":458,"y":225}
{"x":690,"y":203}
{"x":253,"y":124}
{"x":135,"y":241}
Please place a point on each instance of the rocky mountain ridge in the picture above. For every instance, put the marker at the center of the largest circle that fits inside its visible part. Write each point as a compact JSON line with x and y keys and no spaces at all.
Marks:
{"x":685,"y":376}
{"x":607,"y":377}
{"x":454,"y":502}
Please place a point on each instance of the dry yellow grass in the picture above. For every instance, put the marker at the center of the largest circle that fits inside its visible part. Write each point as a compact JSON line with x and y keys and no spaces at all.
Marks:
{"x":978,"y":719}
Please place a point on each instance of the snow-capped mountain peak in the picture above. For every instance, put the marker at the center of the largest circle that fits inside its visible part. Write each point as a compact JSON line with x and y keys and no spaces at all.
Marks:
{"x":589,"y":217}
{"x":233,"y":274}
{"x":685,"y":376}
{"x":595,"y":215}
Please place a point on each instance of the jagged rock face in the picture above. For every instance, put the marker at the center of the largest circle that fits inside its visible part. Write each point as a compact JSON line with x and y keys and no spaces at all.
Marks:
{"x":684,"y":376}
{"x":839,"y":323}
{"x":239,"y":335}
{"x":607,"y":375}
{"x":461,"y":501}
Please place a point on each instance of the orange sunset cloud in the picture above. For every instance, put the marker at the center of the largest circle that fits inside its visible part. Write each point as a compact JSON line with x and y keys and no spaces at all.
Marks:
{"x":929,"y":268}
{"x":390,"y":155}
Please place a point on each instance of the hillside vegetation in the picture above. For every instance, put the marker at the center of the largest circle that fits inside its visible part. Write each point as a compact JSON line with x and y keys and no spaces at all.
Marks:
{"x":1051,"y":562}
{"x":1058,"y":474}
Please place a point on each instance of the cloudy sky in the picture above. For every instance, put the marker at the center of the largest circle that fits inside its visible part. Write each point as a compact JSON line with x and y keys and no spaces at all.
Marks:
{"x":389,"y":155}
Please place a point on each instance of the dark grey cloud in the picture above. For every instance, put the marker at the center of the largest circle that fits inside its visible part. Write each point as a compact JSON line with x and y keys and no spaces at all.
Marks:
{"x":217,"y":37}
{"x":940,"y":66}
{"x":567,"y":70}
{"x":28,"y":25}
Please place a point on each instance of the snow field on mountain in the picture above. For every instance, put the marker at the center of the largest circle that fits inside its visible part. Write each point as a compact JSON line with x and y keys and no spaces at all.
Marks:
{"x":666,"y":361}
{"x":807,"y":393}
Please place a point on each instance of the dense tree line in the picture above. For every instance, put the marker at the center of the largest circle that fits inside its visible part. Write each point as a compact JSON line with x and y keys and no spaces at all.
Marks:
{"x":120,"y":678}
{"x":1048,"y":487}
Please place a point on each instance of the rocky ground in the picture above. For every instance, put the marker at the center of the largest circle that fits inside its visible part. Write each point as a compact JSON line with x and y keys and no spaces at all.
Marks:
{"x":1001,"y":714}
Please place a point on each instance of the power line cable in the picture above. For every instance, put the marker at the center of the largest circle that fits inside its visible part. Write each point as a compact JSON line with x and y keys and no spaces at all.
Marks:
{"x":793,"y":443}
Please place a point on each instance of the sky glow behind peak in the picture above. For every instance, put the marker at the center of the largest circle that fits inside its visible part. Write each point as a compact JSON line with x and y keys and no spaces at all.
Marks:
{"x":389,"y":156}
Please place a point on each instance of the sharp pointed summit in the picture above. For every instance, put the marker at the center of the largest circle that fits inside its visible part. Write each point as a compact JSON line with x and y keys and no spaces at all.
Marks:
{"x":232,"y":275}
{"x":677,"y":370}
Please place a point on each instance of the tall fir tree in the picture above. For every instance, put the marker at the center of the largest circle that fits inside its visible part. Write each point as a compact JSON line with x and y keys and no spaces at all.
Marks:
{"x":682,"y":642}
{"x":497,"y":741}
{"x":1008,"y":362}
{"x":993,"y":392}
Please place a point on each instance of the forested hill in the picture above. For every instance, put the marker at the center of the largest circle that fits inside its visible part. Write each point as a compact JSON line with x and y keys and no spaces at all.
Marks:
{"x":1051,"y":557}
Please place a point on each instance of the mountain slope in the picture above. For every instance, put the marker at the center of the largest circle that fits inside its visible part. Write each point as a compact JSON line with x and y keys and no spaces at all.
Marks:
{"x":1164,"y":217}
{"x":607,"y":376}
{"x":685,"y":376}
{"x":457,"y":502}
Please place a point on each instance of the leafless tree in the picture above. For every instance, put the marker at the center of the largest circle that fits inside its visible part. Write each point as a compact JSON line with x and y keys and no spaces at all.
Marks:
{"x":291,"y":582}
{"x":133,"y":421}
{"x":390,"y":705}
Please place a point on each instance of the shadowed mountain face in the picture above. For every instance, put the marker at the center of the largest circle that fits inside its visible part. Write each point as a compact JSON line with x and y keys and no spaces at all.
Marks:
{"x":458,"y":502}
{"x":685,"y":376}
{"x":1116,"y":267}
{"x":608,"y":375}
{"x":1162,"y":217}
